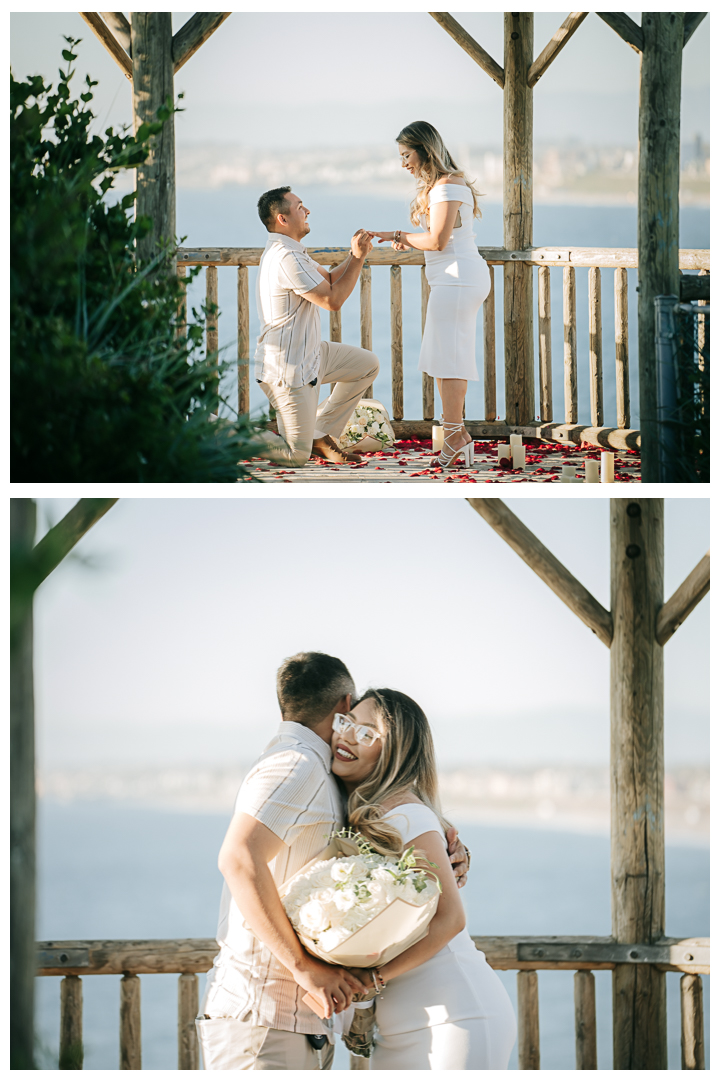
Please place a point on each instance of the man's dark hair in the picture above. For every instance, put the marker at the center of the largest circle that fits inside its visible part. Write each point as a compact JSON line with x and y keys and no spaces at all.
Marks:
{"x":309,"y":685}
{"x":271,"y":204}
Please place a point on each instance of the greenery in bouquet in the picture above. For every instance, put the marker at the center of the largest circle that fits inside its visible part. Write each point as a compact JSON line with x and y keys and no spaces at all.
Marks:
{"x":105,"y":383}
{"x":367,"y":421}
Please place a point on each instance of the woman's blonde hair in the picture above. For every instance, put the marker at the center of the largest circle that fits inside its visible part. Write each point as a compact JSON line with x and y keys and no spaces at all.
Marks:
{"x":406,"y":764}
{"x":435,"y":162}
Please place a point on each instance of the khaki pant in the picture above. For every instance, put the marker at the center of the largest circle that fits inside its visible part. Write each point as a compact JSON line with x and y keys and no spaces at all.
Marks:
{"x":237,"y":1044}
{"x":351,"y":369}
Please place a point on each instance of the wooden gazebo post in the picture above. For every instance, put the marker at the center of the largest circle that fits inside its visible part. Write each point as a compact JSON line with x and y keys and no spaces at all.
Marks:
{"x":518,"y":217}
{"x":637,"y":826}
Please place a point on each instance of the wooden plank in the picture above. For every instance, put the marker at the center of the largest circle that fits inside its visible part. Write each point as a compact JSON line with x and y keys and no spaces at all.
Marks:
{"x":528,"y":1020}
{"x":637,"y":850}
{"x":596,"y":376}
{"x":120,"y":27}
{"x":130,"y":1033}
{"x":690,"y":24}
{"x":108,"y":39}
{"x":489,"y":363}
{"x":152,"y":73}
{"x":695,"y":287}
{"x":585,"y":1021}
{"x":336,"y":325}
{"x":396,"y":342}
{"x":482,"y":58}
{"x":622,"y":352}
{"x":689,"y":258}
{"x":181,"y":318}
{"x":71,"y":1023}
{"x":685,"y":599}
{"x":366,"y":315}
{"x":188,"y":1050}
{"x":62,"y":538}
{"x":211,"y":322}
{"x":692,"y":1035}
{"x":570,"y":346}
{"x":557,"y":42}
{"x":243,"y":345}
{"x":625,"y":27}
{"x":658,"y":205}
{"x":518,"y":217}
{"x":428,"y":383}
{"x":545,"y":344}
{"x":195,"y":33}
{"x":546,"y":566}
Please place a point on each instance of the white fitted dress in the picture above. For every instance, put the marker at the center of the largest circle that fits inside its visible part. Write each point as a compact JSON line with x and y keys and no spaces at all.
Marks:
{"x":459,"y":281}
{"x":452,"y":1012}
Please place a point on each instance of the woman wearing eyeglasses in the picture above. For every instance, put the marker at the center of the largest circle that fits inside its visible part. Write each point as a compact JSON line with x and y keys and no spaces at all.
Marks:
{"x":441,"y":1005}
{"x":445,"y":205}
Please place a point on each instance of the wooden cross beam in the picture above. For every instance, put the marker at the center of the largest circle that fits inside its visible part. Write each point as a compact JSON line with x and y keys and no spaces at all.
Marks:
{"x":471,"y":47}
{"x":675,"y":611}
{"x":113,"y":30}
{"x":626,"y":27}
{"x":692,"y":21}
{"x":543,"y":562}
{"x":63,"y":537}
{"x":558,"y":41}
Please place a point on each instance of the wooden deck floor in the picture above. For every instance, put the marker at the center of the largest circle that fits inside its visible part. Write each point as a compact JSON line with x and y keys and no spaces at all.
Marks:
{"x":409,"y":462}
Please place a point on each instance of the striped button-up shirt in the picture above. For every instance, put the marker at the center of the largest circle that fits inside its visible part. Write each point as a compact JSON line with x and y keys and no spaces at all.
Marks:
{"x":288,"y":349}
{"x":292,"y":791}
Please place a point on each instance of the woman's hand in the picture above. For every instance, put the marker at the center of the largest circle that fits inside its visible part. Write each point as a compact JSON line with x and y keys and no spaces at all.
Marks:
{"x":401,"y":247}
{"x":382,"y":236}
{"x":364,"y":976}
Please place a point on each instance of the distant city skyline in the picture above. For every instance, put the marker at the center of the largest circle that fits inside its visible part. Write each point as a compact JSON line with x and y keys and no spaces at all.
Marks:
{"x":407,"y":67}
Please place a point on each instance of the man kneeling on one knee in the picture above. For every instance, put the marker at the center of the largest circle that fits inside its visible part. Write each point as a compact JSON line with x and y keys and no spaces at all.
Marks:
{"x":291,"y":362}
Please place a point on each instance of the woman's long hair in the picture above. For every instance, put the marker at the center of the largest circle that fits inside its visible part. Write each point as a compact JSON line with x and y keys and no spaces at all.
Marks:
{"x":406,"y":763}
{"x":435,"y":161}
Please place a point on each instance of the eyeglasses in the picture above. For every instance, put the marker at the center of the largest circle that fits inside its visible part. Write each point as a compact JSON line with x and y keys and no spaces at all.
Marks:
{"x":365,"y":735}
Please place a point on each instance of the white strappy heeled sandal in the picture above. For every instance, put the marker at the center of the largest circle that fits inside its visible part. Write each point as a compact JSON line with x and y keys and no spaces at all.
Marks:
{"x":447,"y":457}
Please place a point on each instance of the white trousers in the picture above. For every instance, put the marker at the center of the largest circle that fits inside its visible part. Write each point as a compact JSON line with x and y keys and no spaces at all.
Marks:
{"x":351,"y":369}
{"x":227,"y":1044}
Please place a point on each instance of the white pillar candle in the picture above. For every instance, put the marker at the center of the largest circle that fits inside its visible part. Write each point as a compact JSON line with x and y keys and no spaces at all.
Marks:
{"x":570,"y":480}
{"x":515,"y":440}
{"x":592,"y":471}
{"x":568,"y":470}
{"x":518,"y":456}
{"x":607,"y":468}
{"x":504,"y":451}
{"x":438,"y":438}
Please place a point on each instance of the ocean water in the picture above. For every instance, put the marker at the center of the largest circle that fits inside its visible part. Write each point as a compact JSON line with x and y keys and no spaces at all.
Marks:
{"x":110,"y":871}
{"x":228,"y":218}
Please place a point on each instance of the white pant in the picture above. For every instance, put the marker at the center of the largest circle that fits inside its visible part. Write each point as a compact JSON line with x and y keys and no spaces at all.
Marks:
{"x":227,"y":1044}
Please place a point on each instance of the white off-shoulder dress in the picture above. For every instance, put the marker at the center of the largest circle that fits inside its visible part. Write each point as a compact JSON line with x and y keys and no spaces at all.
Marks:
{"x":452,"y":1012}
{"x":459,"y":281}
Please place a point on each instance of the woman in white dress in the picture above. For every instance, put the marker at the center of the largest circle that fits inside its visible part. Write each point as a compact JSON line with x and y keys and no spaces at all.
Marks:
{"x":441,"y":1005}
{"x":458,"y":276}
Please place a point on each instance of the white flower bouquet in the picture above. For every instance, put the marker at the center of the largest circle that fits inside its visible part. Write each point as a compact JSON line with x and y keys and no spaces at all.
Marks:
{"x":353,"y":907}
{"x":368,"y":428}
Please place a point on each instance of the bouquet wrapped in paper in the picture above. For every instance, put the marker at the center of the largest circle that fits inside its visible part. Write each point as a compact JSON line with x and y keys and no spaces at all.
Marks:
{"x":368,"y":428}
{"x":353,"y":907}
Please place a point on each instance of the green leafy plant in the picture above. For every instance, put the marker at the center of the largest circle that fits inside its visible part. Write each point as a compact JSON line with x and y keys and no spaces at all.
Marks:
{"x":106,"y":383}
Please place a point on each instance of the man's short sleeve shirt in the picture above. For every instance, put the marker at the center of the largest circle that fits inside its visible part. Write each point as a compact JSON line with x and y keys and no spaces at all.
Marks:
{"x":288,"y":348}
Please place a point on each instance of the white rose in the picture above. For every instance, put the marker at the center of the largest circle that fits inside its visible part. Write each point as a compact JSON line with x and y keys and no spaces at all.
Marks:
{"x":351,"y":869}
{"x":345,"y":899}
{"x":313,"y":917}
{"x":330,"y":939}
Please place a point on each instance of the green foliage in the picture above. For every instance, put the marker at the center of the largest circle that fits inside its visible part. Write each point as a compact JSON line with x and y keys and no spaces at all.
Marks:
{"x":102,"y":387}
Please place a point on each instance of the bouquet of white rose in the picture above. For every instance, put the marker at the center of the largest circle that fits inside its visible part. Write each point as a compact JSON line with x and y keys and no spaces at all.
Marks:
{"x":368,"y":428}
{"x":353,"y":907}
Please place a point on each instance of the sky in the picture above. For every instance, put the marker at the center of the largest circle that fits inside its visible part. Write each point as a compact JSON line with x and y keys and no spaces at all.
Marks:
{"x":157,"y":642}
{"x":295,"y":78}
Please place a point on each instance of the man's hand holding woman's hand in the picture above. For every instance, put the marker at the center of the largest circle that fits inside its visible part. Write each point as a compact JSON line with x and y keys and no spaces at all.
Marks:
{"x":459,"y":857}
{"x":382,"y":237}
{"x":361,"y":244}
{"x":333,"y":988}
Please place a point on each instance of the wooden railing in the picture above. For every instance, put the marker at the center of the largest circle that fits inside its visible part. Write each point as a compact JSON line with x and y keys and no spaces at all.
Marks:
{"x":569,"y":259}
{"x":526,"y":955}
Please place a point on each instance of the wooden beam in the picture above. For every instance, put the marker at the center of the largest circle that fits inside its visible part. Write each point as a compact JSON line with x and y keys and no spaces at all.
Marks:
{"x":675,"y":611}
{"x":637,"y":833}
{"x":120,"y":27}
{"x":692,"y":21}
{"x":626,"y":27}
{"x":558,"y":41}
{"x":195,"y":33}
{"x":63,"y":537}
{"x":658,"y":208}
{"x":111,"y":43}
{"x":471,"y":47}
{"x":546,"y":566}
